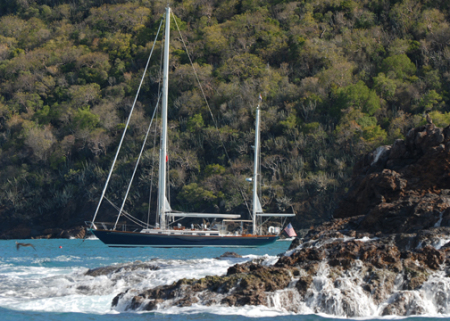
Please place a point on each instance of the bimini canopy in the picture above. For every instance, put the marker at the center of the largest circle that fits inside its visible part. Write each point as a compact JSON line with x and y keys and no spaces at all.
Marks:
{"x":275,"y":215}
{"x":203,"y":215}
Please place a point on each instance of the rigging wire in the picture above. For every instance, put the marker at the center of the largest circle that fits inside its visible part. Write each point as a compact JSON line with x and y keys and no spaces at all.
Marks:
{"x":124,"y":132}
{"x":128,"y":215}
{"x":210,"y":112}
{"x":137,"y":162}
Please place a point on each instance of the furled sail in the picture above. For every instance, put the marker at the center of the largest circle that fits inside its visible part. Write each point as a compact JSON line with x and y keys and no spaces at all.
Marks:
{"x":258,"y":205}
{"x":167,"y":207}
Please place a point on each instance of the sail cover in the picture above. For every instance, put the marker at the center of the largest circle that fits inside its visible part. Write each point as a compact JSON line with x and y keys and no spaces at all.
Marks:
{"x":204,"y":215}
{"x":275,"y":214}
{"x":258,"y":205}
{"x":167,"y":207}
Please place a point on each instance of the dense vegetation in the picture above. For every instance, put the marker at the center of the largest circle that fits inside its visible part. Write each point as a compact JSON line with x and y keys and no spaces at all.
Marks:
{"x":338,"y":78}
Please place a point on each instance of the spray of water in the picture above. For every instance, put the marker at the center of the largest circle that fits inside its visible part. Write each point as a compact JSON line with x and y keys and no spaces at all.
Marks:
{"x":377,"y":154}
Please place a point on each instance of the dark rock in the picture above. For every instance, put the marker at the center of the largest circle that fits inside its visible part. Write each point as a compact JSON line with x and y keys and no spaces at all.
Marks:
{"x":239,"y":289}
{"x":238,"y":268}
{"x":418,"y":166}
{"x":398,"y":149}
{"x":406,"y":241}
{"x":303,"y":284}
{"x":136,"y":302}
{"x":106,"y":270}
{"x":153,"y":304}
{"x":20,"y":232}
{"x":187,"y":301}
{"x":229,"y":254}
{"x":77,"y":232}
{"x":431,"y":257}
{"x":116,"y":299}
{"x":296,"y":242}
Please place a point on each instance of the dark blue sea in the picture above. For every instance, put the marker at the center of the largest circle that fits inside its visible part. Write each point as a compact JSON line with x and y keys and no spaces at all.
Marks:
{"x":49,"y":283}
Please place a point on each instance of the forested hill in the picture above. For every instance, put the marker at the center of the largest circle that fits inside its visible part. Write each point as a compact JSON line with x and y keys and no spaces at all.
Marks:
{"x":338,"y":78}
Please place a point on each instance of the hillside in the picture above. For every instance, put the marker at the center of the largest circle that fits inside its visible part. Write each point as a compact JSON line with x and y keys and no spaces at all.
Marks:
{"x":338,"y":79}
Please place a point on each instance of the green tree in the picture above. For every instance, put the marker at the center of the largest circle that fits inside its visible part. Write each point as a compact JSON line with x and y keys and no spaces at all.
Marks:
{"x":85,"y":119}
{"x":358,"y":96}
{"x":398,"y":66}
{"x":195,"y":196}
{"x":195,"y":123}
{"x":385,"y":86}
{"x":214,"y":169}
{"x":118,"y":45}
{"x":120,"y":17}
{"x":431,"y":100}
{"x":93,"y":67}
{"x":84,"y":95}
{"x":439,"y":119}
{"x":242,"y":66}
{"x":40,"y":140}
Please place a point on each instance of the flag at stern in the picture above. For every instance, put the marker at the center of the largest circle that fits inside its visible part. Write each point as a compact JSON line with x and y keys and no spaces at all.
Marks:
{"x":290,"y":230}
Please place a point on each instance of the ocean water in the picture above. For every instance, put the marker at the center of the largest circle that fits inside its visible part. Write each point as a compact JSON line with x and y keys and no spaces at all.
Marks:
{"x":50,"y":283}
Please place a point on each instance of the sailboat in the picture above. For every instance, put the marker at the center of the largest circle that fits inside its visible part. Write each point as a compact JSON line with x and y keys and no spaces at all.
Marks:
{"x":166,"y":234}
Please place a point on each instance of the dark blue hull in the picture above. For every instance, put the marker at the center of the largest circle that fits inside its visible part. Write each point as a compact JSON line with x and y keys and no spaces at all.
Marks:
{"x":135,"y":239}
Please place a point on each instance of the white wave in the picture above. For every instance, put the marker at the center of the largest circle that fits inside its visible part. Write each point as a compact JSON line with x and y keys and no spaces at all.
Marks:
{"x":377,"y":154}
{"x":289,"y":298}
{"x":436,"y":242}
{"x":438,"y":223}
{"x":319,"y":243}
{"x":367,"y":239}
{"x":266,"y":259}
{"x":70,"y":290}
{"x":98,"y":304}
{"x":440,"y":243}
{"x":249,"y":311}
{"x":290,"y":239}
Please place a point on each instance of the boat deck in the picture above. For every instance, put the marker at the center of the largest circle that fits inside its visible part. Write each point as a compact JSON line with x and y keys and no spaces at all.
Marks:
{"x":199,"y":233}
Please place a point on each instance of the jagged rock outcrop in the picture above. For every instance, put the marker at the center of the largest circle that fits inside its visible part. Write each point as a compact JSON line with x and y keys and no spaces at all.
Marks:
{"x":228,"y":255}
{"x":386,"y":252}
{"x":245,"y":286}
{"x":404,"y":187}
{"x":133,"y":266}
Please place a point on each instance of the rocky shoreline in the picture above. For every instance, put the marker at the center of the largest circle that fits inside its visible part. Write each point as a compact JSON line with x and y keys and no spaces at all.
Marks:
{"x":23,"y":232}
{"x":334,"y":270}
{"x":386,"y":252}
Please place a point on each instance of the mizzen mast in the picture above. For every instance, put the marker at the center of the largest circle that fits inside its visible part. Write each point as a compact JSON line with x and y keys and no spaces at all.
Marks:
{"x":255,"y":172}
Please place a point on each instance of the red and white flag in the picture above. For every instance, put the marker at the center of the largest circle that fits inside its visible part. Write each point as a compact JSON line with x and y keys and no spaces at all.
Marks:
{"x":290,"y":230}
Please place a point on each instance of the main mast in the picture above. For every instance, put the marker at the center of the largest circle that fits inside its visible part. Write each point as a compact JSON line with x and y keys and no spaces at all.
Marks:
{"x":255,"y":171}
{"x":163,"y":151}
